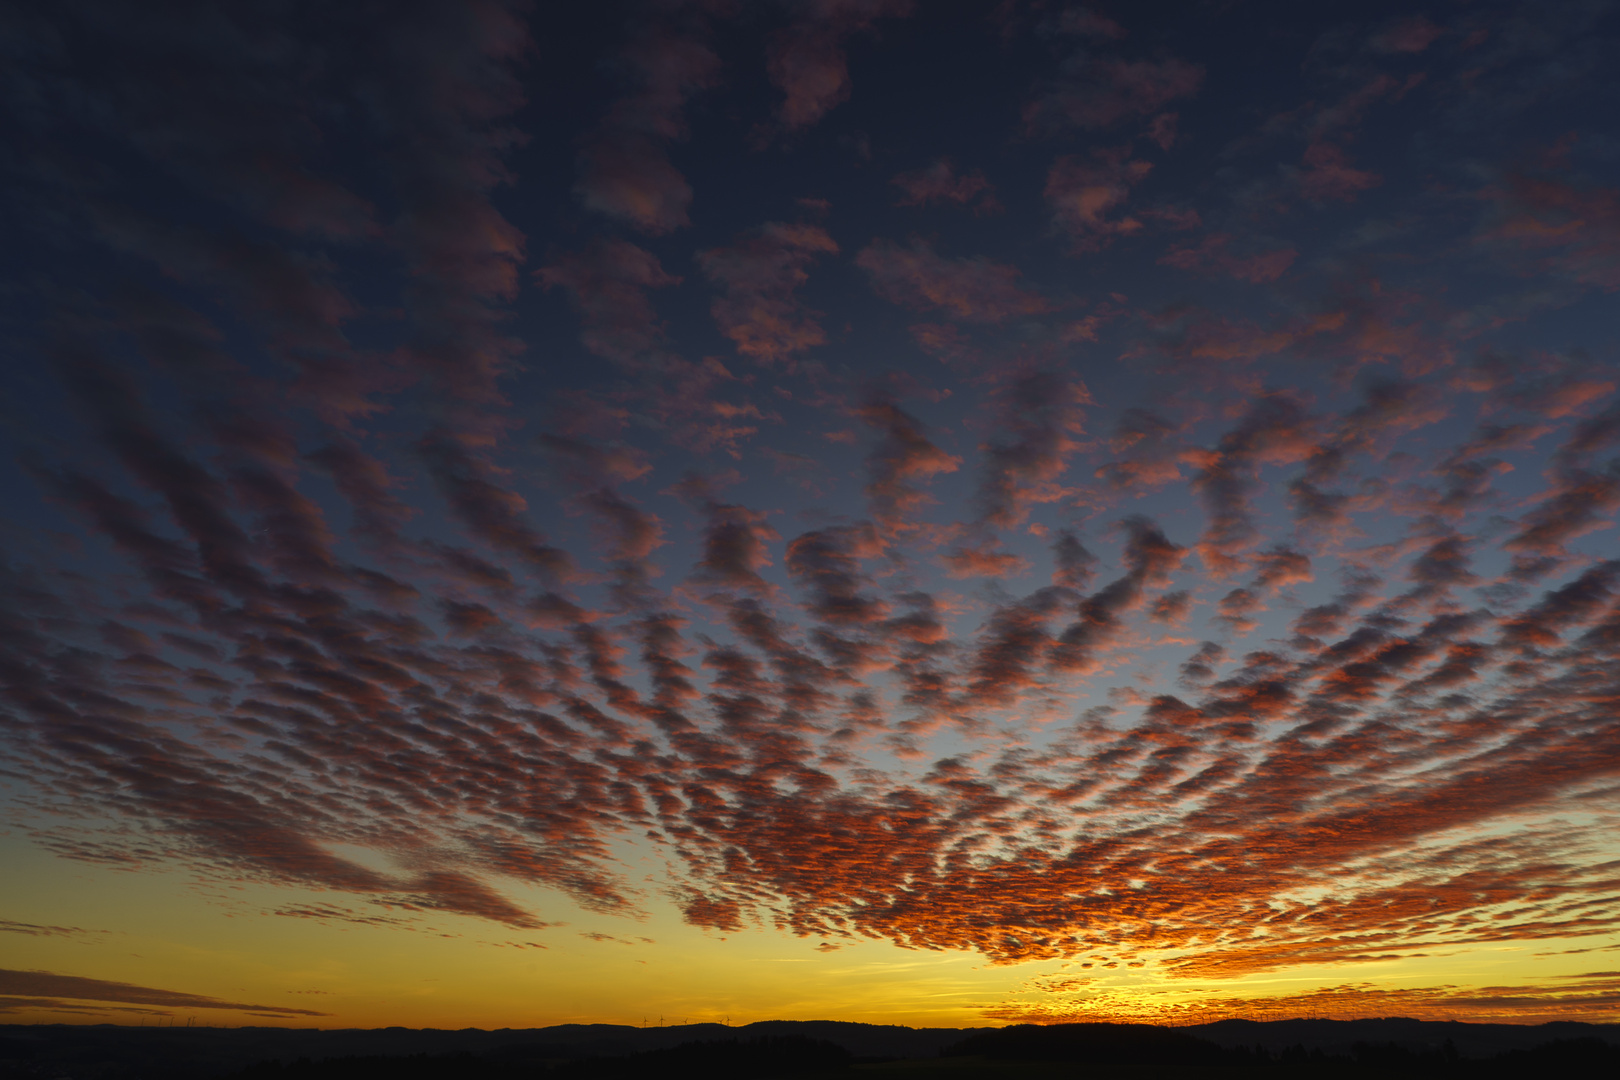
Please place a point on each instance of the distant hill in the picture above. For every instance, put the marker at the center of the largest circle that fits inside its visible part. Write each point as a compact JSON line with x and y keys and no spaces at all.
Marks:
{"x":115,"y":1052}
{"x":110,"y":1052}
{"x":1338,"y":1036}
{"x":1392,"y":1049}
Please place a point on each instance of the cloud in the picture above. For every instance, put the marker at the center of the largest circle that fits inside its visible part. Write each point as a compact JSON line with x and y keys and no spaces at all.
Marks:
{"x":448,"y":890}
{"x":77,"y":988}
{"x":624,"y":170}
{"x":1086,"y":23}
{"x":365,"y":482}
{"x":902,"y":456}
{"x":1075,"y":566}
{"x":1040,"y":415}
{"x":827,"y":563}
{"x":1098,"y":92}
{"x":1151,"y":558}
{"x":607,"y":284}
{"x":9,"y":926}
{"x":1576,"y":501}
{"x":630,"y":177}
{"x":1146,"y":452}
{"x":1586,"y":997}
{"x":492,"y":513}
{"x":198,"y":501}
{"x":1211,"y":256}
{"x":940,"y":183}
{"x":1555,"y":227}
{"x":806,"y":60}
{"x":1275,"y":429}
{"x":1265,"y":766}
{"x":710,"y":914}
{"x":1571,"y":605}
{"x":1008,"y":660}
{"x":758,"y":275}
{"x":983,"y":561}
{"x":1412,"y":34}
{"x":969,"y":289}
{"x":1389,"y":407}
{"x":456,"y":69}
{"x":669,"y":67}
{"x":1328,"y":175}
{"x":736,"y":546}
{"x":1085,"y":195}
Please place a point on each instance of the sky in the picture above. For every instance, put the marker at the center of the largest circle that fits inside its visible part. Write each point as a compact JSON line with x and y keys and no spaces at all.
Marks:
{"x":945,"y":513}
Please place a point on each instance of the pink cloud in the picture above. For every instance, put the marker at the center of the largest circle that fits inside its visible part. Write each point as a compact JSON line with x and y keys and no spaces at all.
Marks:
{"x":1567,"y":229}
{"x":625,"y":172}
{"x":369,"y":488}
{"x":1151,"y":558}
{"x":493,"y":513}
{"x":939,"y":182}
{"x":984,"y":561}
{"x":607,"y":284}
{"x":1085,"y":195}
{"x":1411,"y":34}
{"x":1084,"y":22}
{"x":1213,"y":257}
{"x":807,"y":63}
{"x":970,"y":289}
{"x":463,"y":254}
{"x":1147,"y":453}
{"x":1102,"y":92}
{"x":671,"y":68}
{"x":1041,"y":413}
{"x":736,"y":547}
{"x":1275,"y":429}
{"x":1163,"y":130}
{"x":902,"y":457}
{"x":758,"y":275}
{"x":1329,"y":175}
{"x":630,"y":177}
{"x":1007,"y":660}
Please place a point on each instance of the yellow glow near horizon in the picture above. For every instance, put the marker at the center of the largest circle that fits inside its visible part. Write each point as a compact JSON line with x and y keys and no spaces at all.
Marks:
{"x":214,"y":940}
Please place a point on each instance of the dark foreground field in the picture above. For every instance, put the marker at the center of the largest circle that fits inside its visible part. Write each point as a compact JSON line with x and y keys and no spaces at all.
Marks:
{"x":1390,"y":1049}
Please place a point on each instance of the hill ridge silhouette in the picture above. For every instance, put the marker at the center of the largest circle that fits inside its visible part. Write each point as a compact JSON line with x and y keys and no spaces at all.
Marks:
{"x":117,"y":1052}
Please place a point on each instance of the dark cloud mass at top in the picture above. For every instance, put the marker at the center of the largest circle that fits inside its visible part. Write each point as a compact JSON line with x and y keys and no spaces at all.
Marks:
{"x":1117,"y":483}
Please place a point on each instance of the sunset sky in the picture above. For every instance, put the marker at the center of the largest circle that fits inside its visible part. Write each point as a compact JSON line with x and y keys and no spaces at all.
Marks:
{"x":943,"y":513}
